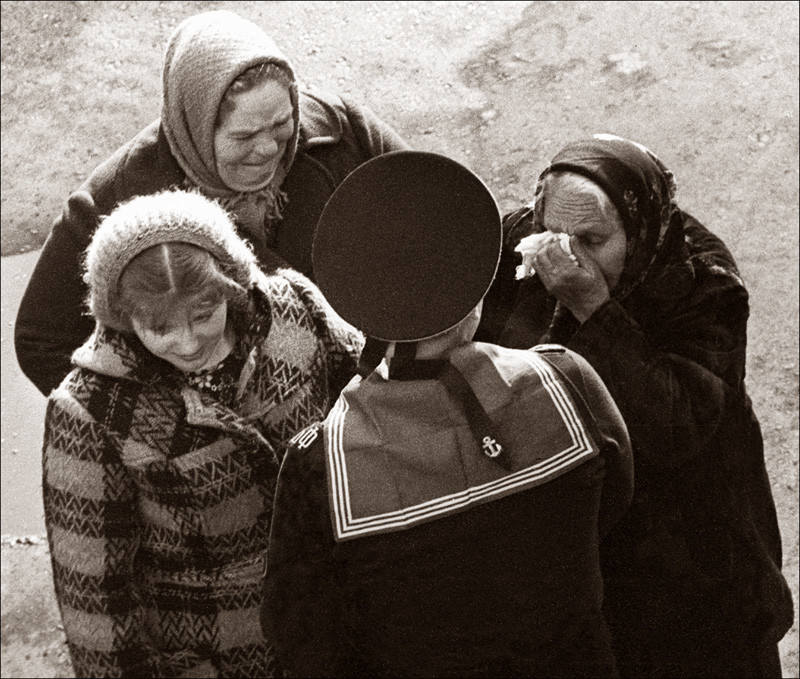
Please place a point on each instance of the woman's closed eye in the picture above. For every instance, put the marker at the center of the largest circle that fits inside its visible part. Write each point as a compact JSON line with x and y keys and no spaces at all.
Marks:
{"x":204,"y":312}
{"x":202,"y":318}
{"x":244,"y":136}
{"x":159,"y":330}
{"x":591,"y":241}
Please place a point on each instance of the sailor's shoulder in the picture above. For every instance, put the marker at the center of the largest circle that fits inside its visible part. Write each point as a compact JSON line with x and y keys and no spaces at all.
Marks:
{"x":305,"y":438}
{"x":549,"y":349}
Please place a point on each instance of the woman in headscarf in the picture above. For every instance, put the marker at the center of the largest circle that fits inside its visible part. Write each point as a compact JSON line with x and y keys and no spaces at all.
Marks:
{"x":234,"y":125}
{"x":162,"y":446}
{"x":654,"y":302}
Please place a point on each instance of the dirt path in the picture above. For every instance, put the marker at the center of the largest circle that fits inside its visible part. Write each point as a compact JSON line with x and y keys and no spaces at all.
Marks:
{"x":500,"y":86}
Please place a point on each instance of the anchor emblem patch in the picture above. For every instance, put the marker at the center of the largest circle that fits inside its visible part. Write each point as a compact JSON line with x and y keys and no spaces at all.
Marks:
{"x":491,"y":447}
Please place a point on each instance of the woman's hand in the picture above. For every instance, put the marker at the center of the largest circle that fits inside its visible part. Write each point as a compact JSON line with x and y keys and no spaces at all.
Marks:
{"x":580,"y":286}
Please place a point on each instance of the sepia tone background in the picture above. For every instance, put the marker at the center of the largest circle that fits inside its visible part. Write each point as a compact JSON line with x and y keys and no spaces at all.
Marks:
{"x":711,"y":87}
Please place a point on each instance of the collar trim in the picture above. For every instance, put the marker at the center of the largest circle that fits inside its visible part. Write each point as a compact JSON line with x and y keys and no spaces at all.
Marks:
{"x":346,"y":526}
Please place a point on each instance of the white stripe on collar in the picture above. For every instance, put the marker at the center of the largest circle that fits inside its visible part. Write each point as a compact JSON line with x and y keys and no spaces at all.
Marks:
{"x":347,"y":527}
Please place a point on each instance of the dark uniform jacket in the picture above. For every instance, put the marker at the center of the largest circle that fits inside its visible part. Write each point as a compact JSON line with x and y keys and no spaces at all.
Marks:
{"x":335,"y":138}
{"x":399,"y":548}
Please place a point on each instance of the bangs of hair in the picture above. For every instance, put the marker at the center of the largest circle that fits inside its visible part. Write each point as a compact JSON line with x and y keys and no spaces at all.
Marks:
{"x":168,"y":277}
{"x":248,"y":80}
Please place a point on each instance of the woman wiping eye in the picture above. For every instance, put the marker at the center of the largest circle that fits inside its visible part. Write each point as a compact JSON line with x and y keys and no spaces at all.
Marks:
{"x":693,"y":582}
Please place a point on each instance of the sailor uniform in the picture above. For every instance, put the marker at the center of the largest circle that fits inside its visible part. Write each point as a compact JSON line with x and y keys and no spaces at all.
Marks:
{"x":401,"y":546}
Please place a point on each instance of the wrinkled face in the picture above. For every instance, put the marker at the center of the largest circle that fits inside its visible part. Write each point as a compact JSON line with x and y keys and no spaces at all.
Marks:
{"x":250,"y":141}
{"x":193,"y":338}
{"x":579,"y":213}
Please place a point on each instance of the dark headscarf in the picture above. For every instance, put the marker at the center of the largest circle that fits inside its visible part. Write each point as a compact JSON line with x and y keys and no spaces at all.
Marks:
{"x":642,"y":190}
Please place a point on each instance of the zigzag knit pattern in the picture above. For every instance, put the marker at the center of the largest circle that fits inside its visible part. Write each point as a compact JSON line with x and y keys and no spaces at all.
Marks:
{"x":158,"y":509}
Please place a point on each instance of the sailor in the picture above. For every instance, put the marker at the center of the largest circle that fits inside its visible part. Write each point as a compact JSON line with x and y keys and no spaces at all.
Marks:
{"x":444,"y":519}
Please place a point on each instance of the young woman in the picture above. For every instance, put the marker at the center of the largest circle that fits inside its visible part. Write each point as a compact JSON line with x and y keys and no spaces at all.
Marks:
{"x":162,"y":445}
{"x":235,"y":126}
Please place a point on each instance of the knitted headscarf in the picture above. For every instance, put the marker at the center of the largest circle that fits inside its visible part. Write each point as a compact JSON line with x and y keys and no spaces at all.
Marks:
{"x":166,"y":217}
{"x":204,"y":55}
{"x":642,"y":190}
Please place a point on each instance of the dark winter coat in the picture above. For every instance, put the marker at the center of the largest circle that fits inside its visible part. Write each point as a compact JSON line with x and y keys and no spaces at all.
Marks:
{"x":158,"y":497}
{"x":399,"y":548}
{"x":693,"y":571}
{"x":335,"y":138}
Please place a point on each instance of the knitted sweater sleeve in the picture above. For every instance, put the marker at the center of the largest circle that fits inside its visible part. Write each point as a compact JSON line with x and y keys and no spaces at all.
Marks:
{"x":89,"y":502}
{"x":341,"y":342}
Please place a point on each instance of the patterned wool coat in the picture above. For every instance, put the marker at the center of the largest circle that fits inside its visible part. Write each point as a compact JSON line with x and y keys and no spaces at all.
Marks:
{"x":158,"y":499}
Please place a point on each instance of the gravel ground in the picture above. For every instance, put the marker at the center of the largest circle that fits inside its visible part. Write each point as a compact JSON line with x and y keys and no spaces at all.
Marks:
{"x":712,"y":87}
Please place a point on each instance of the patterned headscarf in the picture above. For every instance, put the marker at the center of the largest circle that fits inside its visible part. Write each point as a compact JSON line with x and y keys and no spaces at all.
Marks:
{"x":204,"y":55}
{"x":642,"y":190}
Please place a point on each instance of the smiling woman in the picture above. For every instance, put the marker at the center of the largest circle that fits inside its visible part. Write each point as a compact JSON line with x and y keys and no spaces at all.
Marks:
{"x":199,"y":337}
{"x":162,"y":446}
{"x":159,"y":293}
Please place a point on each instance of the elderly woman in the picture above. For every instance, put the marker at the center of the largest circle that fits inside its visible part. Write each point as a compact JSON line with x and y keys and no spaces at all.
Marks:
{"x":654,"y":302}
{"x":162,"y":445}
{"x":235,"y":126}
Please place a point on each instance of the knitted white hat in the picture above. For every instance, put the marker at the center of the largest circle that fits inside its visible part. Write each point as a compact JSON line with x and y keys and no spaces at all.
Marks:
{"x":166,"y":217}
